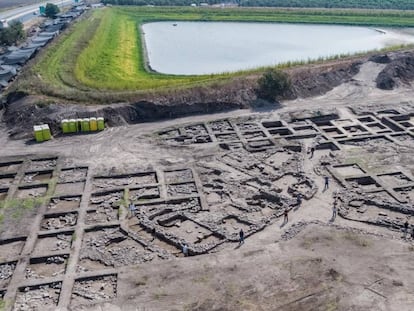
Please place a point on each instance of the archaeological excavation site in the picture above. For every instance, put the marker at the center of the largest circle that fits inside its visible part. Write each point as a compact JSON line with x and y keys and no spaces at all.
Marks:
{"x":322,"y":188}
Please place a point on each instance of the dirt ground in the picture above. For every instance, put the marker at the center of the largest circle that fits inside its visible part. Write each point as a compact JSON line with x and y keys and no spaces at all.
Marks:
{"x":198,"y":181}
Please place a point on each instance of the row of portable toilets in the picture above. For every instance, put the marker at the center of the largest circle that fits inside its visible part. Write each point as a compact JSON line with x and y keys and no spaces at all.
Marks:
{"x":42,"y":132}
{"x":83,"y":125}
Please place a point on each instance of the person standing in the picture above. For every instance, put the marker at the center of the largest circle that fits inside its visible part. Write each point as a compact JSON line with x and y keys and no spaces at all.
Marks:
{"x":241,"y":237}
{"x":286,"y":216}
{"x":405,"y":229}
{"x":185,"y":250}
{"x":312,"y":151}
{"x":326,"y":183}
{"x":334,"y":210}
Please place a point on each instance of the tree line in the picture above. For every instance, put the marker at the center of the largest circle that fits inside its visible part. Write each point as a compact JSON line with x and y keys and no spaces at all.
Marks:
{"x":361,"y":4}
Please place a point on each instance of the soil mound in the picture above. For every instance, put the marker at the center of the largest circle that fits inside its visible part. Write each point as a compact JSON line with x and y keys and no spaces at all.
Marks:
{"x":399,"y":71}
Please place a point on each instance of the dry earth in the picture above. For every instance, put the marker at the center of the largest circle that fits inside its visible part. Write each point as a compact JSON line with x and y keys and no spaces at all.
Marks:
{"x":199,"y":180}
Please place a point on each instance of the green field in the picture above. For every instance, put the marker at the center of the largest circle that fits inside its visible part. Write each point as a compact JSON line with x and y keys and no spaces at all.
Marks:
{"x":101,"y":56}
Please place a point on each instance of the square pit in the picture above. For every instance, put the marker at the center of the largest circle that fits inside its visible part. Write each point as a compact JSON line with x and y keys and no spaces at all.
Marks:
{"x":73,"y":174}
{"x":38,"y":297}
{"x":50,"y":244}
{"x":37,"y":177}
{"x":35,"y":191}
{"x":47,"y":267}
{"x":178,"y":176}
{"x":71,"y":188}
{"x":64,"y":204}
{"x":10,"y":249}
{"x":6,"y":273}
{"x":59,"y":221}
{"x":93,"y":290}
{"x":183,"y":189}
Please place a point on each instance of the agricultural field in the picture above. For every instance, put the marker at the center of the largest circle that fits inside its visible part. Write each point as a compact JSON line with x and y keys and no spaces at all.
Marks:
{"x":104,"y":51}
{"x":366,"y":4}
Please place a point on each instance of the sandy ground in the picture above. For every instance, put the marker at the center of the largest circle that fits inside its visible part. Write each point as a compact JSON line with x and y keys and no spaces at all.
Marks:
{"x":346,"y":266}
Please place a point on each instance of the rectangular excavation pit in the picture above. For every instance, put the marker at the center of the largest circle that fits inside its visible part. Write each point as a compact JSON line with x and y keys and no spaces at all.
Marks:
{"x":73,"y":174}
{"x":362,"y":140}
{"x":259,"y":144}
{"x":388,"y":112}
{"x":402,"y":137}
{"x":47,"y":267}
{"x":250,"y":126}
{"x":400,"y":117}
{"x":332,"y":131}
{"x":407,"y":193}
{"x":110,"y":246}
{"x":305,"y":130}
{"x":184,"y":228}
{"x":144,"y":193}
{"x":227,"y":137}
{"x":37,"y":177}
{"x":53,"y":243}
{"x":284,"y":131}
{"x":406,"y":124}
{"x":176,"y":205}
{"x":326,"y":146}
{"x":366,"y":119}
{"x":42,"y":164}
{"x":232,"y":225}
{"x":202,"y":139}
{"x":395,"y":179}
{"x":349,"y":170}
{"x":34,"y":191}
{"x":195,"y":130}
{"x":10,"y":167}
{"x":59,"y":221}
{"x":70,"y":188}
{"x":38,"y":297}
{"x":96,"y":289}
{"x":106,"y":199}
{"x":344,"y":122}
{"x":182,"y":189}
{"x":170,"y":133}
{"x":3,"y":193}
{"x":253,"y":135}
{"x":10,"y":249}
{"x":272,"y":124}
{"x":64,"y":204}
{"x":221,"y":126}
{"x":102,"y":215}
{"x":6,"y":273}
{"x":127,"y":180}
{"x":6,"y":180}
{"x":376,"y":127}
{"x":367,"y":183}
{"x":355,"y":129}
{"x":178,"y":176}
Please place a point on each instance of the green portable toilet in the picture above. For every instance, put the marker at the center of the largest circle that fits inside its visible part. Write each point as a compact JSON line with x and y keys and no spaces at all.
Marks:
{"x":101,"y":123}
{"x":85,"y":125}
{"x":93,"y":124}
{"x":72,"y":126}
{"x":46,"y":132}
{"x":79,"y":125}
{"x":65,"y":126}
{"x":38,"y":133}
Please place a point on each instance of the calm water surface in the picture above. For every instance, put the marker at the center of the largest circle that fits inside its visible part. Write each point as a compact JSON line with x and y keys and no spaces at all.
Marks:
{"x":215,"y":47}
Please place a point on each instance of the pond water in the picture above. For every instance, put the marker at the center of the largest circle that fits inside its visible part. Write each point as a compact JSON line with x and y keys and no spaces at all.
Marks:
{"x":213,"y":47}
